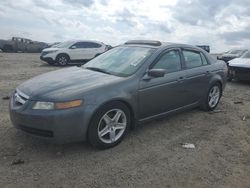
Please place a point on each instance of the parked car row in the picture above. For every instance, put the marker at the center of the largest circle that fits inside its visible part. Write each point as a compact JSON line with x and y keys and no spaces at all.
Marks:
{"x":121,"y":88}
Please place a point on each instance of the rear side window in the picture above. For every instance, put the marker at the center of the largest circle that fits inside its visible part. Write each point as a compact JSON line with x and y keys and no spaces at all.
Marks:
{"x":192,"y":59}
{"x":170,"y":61}
{"x":92,"y":45}
{"x":87,"y":45}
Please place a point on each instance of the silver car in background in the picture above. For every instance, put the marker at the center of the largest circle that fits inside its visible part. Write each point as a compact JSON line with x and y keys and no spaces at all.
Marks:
{"x":227,"y":56}
{"x":239,"y":68}
{"x":124,"y":87}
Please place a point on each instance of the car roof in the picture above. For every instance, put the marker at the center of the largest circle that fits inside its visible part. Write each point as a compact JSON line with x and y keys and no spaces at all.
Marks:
{"x":159,"y":44}
{"x":73,"y":41}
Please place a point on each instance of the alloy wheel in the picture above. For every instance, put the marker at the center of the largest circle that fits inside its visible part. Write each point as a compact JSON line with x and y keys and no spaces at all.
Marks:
{"x":214,"y":96}
{"x":112,"y":126}
{"x":62,"y":60}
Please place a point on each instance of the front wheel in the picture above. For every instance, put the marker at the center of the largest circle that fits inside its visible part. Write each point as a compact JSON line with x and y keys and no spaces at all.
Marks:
{"x":62,"y":60}
{"x":212,"y":98}
{"x":109,"y":125}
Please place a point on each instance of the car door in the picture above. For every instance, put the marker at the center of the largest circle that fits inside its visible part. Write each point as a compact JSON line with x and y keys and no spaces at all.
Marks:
{"x":163,"y":94}
{"x":93,"y":49}
{"x":78,"y":51}
{"x":197,"y":74}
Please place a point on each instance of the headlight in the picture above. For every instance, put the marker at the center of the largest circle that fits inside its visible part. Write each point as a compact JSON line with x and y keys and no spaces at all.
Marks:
{"x":57,"y":105}
{"x":49,"y":52}
{"x":44,"y":106}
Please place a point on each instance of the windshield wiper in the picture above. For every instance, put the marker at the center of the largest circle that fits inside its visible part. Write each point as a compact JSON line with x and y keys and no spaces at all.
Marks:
{"x":98,"y":70}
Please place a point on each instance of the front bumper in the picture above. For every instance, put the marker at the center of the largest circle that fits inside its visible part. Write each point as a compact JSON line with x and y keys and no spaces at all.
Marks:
{"x":47,"y":59}
{"x":240,"y":73}
{"x":57,"y":126}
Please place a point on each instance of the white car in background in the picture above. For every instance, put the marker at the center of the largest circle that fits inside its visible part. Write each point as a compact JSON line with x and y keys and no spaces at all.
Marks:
{"x":72,"y":51}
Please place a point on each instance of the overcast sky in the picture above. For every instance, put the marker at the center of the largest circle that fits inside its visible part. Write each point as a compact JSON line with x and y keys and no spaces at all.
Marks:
{"x":222,"y":24}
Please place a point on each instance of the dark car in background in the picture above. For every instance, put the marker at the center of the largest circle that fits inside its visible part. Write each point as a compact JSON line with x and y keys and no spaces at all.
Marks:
{"x":227,"y":56}
{"x":18,"y":44}
{"x":204,"y":47}
{"x":239,"y":68}
{"x":128,"y":85}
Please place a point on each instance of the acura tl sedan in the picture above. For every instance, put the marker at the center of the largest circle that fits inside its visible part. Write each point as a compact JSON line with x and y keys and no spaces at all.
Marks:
{"x":124,"y":87}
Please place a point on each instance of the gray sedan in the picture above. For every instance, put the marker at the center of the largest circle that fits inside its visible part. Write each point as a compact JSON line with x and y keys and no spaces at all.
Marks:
{"x":128,"y":85}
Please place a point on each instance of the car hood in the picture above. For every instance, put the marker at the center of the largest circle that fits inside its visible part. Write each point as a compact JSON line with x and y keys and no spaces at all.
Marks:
{"x":240,"y":62}
{"x":65,"y":84}
{"x":50,"y":49}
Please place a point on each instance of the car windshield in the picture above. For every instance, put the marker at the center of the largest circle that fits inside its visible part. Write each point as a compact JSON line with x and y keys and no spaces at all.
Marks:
{"x":120,"y":61}
{"x":63,"y":44}
{"x":246,"y":55}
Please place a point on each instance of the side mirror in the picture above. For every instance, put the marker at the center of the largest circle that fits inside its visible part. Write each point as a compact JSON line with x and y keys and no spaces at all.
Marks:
{"x":156,"y":73}
{"x":73,"y":47}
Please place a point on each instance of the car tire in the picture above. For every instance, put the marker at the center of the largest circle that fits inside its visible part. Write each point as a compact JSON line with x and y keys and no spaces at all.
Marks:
{"x":212,"y":98}
{"x":109,"y":125}
{"x":62,"y":59}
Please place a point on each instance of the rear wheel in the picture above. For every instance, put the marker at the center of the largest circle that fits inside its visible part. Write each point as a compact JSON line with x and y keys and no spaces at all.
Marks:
{"x":109,"y":125}
{"x":212,"y":98}
{"x":62,"y":59}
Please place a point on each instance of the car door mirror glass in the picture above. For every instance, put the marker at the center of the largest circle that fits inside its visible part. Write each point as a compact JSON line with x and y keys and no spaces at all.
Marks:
{"x":73,"y":47}
{"x":156,"y":73}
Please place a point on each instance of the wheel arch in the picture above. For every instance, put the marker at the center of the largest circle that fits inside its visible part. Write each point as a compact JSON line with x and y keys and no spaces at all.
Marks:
{"x":128,"y":105}
{"x":63,"y":53}
{"x":217,"y":79}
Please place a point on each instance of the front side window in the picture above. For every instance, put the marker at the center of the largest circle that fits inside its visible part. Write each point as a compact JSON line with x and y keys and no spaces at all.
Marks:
{"x":170,"y":61}
{"x":192,"y":59}
{"x":64,"y":44}
{"x":120,"y":61}
{"x":80,"y":45}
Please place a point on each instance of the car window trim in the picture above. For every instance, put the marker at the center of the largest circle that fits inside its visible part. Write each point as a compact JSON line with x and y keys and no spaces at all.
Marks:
{"x":195,"y":51}
{"x":162,"y":54}
{"x":207,"y":62}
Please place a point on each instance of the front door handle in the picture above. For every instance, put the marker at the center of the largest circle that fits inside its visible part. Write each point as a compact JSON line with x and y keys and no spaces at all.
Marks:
{"x":207,"y":73}
{"x":181,"y":79}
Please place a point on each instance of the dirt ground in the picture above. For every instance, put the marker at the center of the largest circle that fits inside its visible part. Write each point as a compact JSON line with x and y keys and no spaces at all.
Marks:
{"x":150,"y":156}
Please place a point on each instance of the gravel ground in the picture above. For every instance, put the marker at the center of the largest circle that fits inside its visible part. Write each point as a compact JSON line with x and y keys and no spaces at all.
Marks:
{"x":150,"y":156}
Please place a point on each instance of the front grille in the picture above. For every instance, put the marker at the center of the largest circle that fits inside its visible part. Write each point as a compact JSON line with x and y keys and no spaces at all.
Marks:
{"x":20,"y":98}
{"x":240,"y":72}
{"x":38,"y":132}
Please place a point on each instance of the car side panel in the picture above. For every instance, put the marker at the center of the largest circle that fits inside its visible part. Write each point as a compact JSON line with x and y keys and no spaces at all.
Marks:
{"x":160,"y":95}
